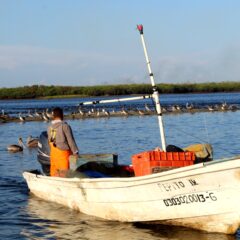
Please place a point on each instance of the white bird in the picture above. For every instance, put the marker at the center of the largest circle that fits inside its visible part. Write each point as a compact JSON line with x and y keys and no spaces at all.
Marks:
{"x":106,"y":112}
{"x":89,"y":113}
{"x":210,"y":108}
{"x":32,"y":142}
{"x":174,"y":108}
{"x":98,"y":112}
{"x":124,"y":111}
{"x":163,"y":109}
{"x":147,"y":108}
{"x":22,"y":119}
{"x":37,"y":114}
{"x":140,"y":112}
{"x":48,"y":114}
{"x":30,"y":114}
{"x":15,"y":147}
{"x":81,"y":111}
{"x":45,"y":117}
{"x":189,"y":106}
{"x":224,"y":106}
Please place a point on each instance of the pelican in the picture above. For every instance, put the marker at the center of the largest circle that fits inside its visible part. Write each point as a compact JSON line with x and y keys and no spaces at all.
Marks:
{"x":22,"y":119}
{"x":224,"y":106}
{"x":210,"y":108}
{"x":4,"y":115}
{"x":45,"y":117}
{"x":37,"y":114}
{"x":189,"y":106}
{"x":140,"y":112}
{"x":29,"y":114}
{"x":16,"y":148}
{"x":163,"y":109}
{"x":147,"y":108}
{"x":106,"y":112}
{"x":98,"y":112}
{"x":81,"y":111}
{"x":233,"y":107}
{"x":174,"y":108}
{"x":124,"y":112}
{"x":48,"y":114}
{"x":32,"y":142}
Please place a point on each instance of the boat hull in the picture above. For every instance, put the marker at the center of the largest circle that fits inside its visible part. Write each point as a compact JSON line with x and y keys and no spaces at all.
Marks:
{"x":202,"y":196}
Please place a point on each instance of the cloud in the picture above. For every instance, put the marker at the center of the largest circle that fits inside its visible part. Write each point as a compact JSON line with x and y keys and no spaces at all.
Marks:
{"x":26,"y":65}
{"x":223,"y":65}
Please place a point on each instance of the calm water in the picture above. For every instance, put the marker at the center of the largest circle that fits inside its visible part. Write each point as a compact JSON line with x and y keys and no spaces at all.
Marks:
{"x":13,"y":107}
{"x":23,"y":216}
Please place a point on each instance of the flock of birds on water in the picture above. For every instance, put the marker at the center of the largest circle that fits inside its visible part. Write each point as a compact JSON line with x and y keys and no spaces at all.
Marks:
{"x":46,"y":115}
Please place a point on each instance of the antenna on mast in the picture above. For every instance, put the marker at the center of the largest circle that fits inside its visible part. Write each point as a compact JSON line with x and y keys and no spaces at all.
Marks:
{"x":155,"y":91}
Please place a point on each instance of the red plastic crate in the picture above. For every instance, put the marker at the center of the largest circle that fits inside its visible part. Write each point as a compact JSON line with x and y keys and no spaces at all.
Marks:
{"x":148,"y":162}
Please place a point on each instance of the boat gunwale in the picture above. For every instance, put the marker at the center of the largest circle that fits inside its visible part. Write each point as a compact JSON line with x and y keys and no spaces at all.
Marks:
{"x":136,"y":181}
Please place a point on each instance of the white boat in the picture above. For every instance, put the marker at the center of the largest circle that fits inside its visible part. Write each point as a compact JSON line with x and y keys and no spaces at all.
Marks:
{"x":202,"y":196}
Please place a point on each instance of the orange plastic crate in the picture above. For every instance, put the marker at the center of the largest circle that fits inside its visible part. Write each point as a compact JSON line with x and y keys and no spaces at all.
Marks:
{"x":148,"y":162}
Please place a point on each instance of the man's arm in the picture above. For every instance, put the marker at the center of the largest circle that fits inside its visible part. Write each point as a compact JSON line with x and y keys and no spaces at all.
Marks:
{"x":70,"y":139}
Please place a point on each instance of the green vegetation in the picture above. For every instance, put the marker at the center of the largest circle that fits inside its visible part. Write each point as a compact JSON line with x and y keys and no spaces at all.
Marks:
{"x":41,"y":91}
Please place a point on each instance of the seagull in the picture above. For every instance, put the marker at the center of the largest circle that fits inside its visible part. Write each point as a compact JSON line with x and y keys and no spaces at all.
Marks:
{"x":16,"y":148}
{"x":32,"y":142}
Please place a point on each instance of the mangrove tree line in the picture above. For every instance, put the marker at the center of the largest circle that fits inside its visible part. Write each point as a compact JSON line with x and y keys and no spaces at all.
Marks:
{"x":39,"y":91}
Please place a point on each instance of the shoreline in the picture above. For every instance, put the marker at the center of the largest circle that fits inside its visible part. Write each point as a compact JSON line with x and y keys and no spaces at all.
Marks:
{"x":107,"y":96}
{"x":55,"y":92}
{"x":130,"y":113}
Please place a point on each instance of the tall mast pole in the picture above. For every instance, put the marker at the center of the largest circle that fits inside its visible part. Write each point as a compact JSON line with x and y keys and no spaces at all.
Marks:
{"x":155,"y":91}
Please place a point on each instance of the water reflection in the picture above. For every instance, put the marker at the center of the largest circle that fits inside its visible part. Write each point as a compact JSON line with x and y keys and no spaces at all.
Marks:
{"x":52,"y":221}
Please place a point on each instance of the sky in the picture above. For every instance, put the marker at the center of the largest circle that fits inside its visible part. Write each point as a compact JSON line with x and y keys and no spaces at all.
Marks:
{"x":95,"y":42}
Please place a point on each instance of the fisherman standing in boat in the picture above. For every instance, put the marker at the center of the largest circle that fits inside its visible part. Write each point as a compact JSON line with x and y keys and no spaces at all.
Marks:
{"x":62,"y":144}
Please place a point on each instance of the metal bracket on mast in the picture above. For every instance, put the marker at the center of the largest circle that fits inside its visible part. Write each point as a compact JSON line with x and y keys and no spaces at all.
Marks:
{"x":155,"y":91}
